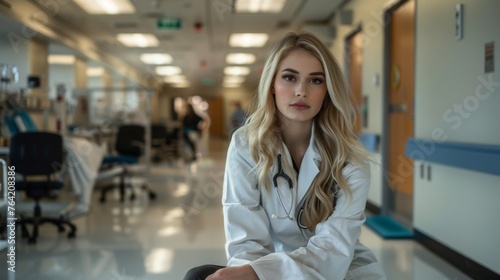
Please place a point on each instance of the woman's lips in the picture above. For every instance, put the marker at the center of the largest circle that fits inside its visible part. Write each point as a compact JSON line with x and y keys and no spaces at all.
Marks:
{"x":299,"y":106}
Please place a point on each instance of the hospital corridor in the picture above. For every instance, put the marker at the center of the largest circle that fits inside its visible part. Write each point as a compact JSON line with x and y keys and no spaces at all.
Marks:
{"x":249,"y":139}
{"x":182,"y":228}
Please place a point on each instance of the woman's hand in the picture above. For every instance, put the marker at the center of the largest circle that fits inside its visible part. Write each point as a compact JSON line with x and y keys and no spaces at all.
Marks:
{"x":244,"y":272}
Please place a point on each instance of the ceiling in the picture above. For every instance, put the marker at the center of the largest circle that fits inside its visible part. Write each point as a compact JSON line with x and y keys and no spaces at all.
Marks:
{"x":200,"y":55}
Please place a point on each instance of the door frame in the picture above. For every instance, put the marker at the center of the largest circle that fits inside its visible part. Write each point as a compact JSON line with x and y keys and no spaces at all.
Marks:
{"x":357,"y":29}
{"x":388,"y":196}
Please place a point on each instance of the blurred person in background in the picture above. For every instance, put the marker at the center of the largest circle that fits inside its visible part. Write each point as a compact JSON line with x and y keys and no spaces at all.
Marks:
{"x":192,"y":126}
{"x":238,"y":118}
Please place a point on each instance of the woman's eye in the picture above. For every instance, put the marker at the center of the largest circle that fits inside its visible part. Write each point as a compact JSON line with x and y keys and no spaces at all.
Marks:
{"x":316,"y":81}
{"x":288,"y":78}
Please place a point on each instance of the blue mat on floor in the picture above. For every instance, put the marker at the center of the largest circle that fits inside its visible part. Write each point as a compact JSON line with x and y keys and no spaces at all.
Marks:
{"x":388,"y":228}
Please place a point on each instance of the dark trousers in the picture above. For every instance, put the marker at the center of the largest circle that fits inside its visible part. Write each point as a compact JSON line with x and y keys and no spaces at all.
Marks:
{"x":201,"y":272}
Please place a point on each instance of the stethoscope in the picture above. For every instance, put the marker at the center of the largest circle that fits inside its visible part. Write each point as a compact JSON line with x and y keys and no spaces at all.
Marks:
{"x":290,"y":211}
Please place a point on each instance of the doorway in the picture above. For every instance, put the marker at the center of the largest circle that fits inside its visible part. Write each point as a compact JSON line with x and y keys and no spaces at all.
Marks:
{"x":215,"y":111}
{"x":400,"y":65}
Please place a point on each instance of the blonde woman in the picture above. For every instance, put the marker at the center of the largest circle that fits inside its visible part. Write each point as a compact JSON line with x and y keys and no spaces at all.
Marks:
{"x":296,"y":179}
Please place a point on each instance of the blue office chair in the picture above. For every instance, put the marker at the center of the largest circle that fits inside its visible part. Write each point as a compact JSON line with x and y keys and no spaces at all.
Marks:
{"x":39,"y":154}
{"x":129,"y":147}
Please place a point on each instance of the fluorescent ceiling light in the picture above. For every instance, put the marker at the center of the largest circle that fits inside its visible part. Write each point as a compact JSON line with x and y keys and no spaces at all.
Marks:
{"x":233,"y":79}
{"x":156,"y":58}
{"x":95,"y":71}
{"x":175,"y":79}
{"x":240,"y":58}
{"x":236,"y":71}
{"x":259,"y":6}
{"x":138,"y":40}
{"x":168,"y":70}
{"x":111,"y":7}
{"x":248,"y":40}
{"x":61,"y":59}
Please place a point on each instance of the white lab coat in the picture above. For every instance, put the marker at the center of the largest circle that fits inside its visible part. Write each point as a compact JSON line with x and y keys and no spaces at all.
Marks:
{"x":279,"y":248}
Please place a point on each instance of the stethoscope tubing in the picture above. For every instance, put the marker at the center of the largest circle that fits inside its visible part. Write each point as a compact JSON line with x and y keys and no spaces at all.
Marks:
{"x":290,"y":212}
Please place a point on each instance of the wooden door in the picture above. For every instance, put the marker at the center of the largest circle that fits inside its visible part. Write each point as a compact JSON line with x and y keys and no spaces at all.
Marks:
{"x":401,"y":104}
{"x":215,"y":111}
{"x":355,"y":54}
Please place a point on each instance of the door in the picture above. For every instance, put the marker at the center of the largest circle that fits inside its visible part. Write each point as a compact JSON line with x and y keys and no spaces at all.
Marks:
{"x":401,"y":103}
{"x":355,"y":55}
{"x":215,"y":111}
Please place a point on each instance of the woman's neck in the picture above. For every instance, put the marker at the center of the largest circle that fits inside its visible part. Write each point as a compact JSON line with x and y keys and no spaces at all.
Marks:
{"x":296,"y":137}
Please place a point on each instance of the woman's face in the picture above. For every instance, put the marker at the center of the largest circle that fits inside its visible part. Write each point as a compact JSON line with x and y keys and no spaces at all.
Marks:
{"x":299,"y":87}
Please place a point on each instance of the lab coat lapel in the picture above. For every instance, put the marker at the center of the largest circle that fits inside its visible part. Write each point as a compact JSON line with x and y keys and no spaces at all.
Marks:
{"x":308,"y":169}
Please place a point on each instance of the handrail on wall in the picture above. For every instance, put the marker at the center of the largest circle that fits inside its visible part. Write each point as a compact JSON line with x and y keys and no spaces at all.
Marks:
{"x":476,"y":157}
{"x":370,"y":141}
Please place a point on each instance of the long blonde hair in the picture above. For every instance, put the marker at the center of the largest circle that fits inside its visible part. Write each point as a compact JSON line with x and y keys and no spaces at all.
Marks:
{"x":335,"y":138}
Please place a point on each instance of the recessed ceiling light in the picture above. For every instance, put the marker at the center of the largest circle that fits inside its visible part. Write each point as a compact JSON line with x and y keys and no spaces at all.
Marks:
{"x":156,"y":58}
{"x":61,"y":59}
{"x":240,"y":58}
{"x":168,"y":70}
{"x":248,"y":40}
{"x":112,"y":7}
{"x":259,"y":6}
{"x":234,"y":79}
{"x":138,"y":40}
{"x":95,"y":71}
{"x":236,"y":71}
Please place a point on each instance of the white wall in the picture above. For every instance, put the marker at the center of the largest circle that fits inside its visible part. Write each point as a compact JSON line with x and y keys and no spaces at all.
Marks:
{"x":448,"y":73}
{"x":375,"y":193}
{"x":368,"y":15}
{"x":453,"y":100}
{"x":459,"y":208}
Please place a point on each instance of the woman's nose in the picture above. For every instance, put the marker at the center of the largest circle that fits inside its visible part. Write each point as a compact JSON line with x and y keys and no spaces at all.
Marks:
{"x":301,"y":90}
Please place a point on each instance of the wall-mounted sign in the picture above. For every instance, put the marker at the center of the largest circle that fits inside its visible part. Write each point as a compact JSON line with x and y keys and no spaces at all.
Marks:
{"x":489,"y":57}
{"x":168,"y":24}
{"x":459,"y":21}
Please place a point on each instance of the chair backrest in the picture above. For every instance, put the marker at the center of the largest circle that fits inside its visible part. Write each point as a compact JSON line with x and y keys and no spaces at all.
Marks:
{"x":130,"y":140}
{"x":158,"y":135}
{"x":36,"y":153}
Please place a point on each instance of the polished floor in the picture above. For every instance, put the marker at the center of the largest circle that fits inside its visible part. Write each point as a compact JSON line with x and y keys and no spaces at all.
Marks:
{"x":182,"y":228}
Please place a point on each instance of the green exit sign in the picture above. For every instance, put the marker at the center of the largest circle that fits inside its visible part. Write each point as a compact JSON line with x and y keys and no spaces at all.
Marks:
{"x":168,"y":24}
